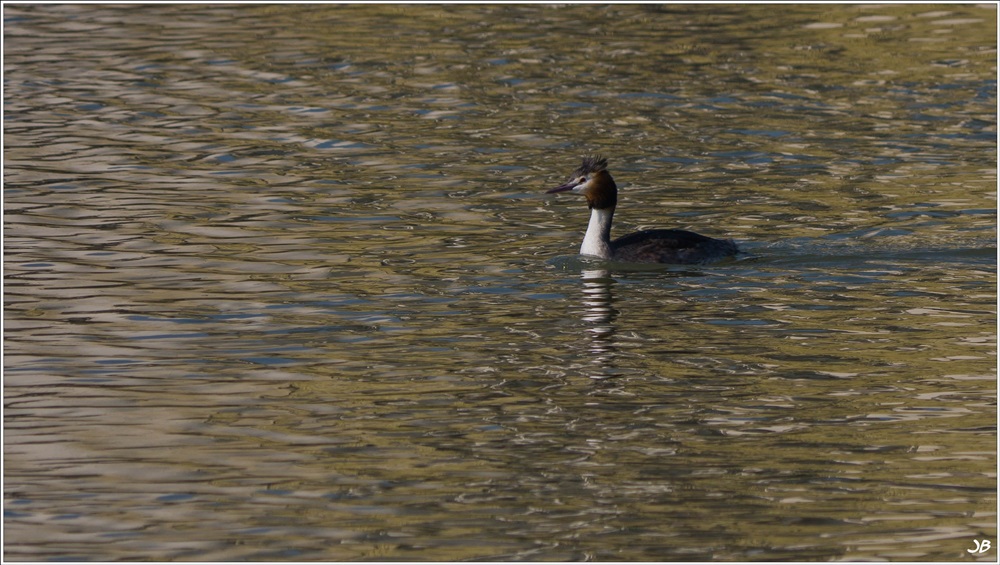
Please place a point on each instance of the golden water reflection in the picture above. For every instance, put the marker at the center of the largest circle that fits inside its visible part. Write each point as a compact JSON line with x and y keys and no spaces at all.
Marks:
{"x":281,"y":283}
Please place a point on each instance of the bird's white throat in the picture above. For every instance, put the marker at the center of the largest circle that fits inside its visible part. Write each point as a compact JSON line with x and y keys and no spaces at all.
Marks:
{"x":597,"y":242}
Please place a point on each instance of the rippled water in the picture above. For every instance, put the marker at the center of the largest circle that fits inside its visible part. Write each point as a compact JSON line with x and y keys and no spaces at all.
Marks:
{"x":282,"y":282}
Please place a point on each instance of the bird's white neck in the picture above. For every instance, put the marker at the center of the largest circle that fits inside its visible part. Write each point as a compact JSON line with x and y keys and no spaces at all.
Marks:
{"x":597,"y":242}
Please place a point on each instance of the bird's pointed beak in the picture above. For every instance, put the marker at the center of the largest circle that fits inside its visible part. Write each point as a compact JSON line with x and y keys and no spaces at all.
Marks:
{"x":562,"y":188}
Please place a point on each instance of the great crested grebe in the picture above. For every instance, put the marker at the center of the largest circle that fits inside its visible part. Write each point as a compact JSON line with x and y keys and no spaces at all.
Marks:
{"x":594,"y":181}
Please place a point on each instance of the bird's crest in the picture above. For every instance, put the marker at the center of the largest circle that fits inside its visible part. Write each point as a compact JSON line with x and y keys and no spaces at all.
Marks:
{"x":593,"y":164}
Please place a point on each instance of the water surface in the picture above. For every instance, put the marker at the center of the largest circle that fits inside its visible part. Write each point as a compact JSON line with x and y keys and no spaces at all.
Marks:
{"x":282,"y":283}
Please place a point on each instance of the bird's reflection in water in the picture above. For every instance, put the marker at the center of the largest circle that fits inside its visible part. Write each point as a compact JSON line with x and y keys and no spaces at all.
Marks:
{"x":599,"y":313}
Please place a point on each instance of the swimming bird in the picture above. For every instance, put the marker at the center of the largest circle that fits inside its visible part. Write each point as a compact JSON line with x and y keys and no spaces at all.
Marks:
{"x":594,"y":182}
